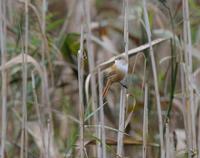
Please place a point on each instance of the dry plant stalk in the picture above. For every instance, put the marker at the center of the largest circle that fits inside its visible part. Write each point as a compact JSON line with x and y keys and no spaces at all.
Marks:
{"x":3,"y":74}
{"x":24,"y":134}
{"x":45,"y":54}
{"x":44,"y":46}
{"x":43,"y":26}
{"x":123,"y":102}
{"x":145,"y":122}
{"x":36,"y":103}
{"x":183,"y":101}
{"x":102,"y":124}
{"x":81,"y":104}
{"x":147,"y":26}
{"x":199,"y":134}
{"x":43,"y":75}
{"x":42,"y":29}
{"x":86,"y":13}
{"x":189,"y":91}
{"x":131,"y":53}
{"x":167,"y":140}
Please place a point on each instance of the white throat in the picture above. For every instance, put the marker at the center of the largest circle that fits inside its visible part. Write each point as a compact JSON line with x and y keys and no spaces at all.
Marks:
{"x":122,"y":65}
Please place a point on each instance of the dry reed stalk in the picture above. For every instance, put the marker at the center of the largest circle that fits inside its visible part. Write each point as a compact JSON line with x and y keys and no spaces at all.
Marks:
{"x":19,"y":60}
{"x":131,"y":53}
{"x":167,"y":140}
{"x":191,"y":118}
{"x":199,"y":134}
{"x":67,"y":19}
{"x":43,"y":26}
{"x":86,"y":13}
{"x":147,"y":26}
{"x":24,"y":134}
{"x":121,"y":122}
{"x":45,"y":97}
{"x":102,"y":124}
{"x":46,"y":101}
{"x":145,"y":122}
{"x":49,"y":138}
{"x":98,"y":144}
{"x":81,"y":103}
{"x":122,"y":105}
{"x":42,"y":131}
{"x":45,"y":47}
{"x":183,"y":100}
{"x":3,"y":74}
{"x":45,"y":53}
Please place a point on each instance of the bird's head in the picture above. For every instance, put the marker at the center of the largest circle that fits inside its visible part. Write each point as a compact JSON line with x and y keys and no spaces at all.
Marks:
{"x":122,"y":63}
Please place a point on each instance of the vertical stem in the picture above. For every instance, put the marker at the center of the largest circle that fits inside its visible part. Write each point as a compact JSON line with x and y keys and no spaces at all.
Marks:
{"x":123,"y":90}
{"x":185,"y":116}
{"x":86,"y":10}
{"x":147,"y":25}
{"x":145,"y":122}
{"x":49,"y":136}
{"x":167,"y":140}
{"x":81,"y":104}
{"x":24,"y":142}
{"x":199,"y":134}
{"x":189,"y":78}
{"x":3,"y":74}
{"x":99,"y":145}
{"x":121,"y":122}
{"x":38,"y":113}
{"x":44,"y":45}
{"x":102,"y":125}
{"x":44,"y":4}
{"x":49,"y":118}
{"x":45,"y":56}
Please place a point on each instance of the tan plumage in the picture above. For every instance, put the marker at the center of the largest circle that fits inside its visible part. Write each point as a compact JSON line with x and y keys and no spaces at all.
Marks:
{"x":116,"y":73}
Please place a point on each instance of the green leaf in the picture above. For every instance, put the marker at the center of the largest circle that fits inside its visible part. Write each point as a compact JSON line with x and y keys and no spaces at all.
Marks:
{"x":70,"y":45}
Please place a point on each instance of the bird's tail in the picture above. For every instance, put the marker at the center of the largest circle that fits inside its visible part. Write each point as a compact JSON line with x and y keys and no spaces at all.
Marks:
{"x":105,"y":91}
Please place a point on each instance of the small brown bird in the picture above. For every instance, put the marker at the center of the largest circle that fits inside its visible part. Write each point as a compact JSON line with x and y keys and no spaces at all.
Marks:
{"x":116,"y":73}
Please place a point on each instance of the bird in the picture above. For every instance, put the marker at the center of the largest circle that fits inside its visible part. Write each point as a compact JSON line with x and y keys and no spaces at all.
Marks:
{"x":116,"y":73}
